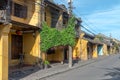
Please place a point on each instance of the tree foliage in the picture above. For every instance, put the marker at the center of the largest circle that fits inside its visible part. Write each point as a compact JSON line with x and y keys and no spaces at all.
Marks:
{"x":51,"y":37}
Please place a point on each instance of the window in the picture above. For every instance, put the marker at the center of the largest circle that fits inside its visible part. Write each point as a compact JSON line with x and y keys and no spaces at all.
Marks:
{"x":3,"y":4}
{"x":65,"y":19}
{"x":54,"y":17}
{"x":20,"y":10}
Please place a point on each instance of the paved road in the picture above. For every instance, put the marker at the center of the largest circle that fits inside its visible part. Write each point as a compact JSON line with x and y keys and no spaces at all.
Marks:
{"x":107,"y":69}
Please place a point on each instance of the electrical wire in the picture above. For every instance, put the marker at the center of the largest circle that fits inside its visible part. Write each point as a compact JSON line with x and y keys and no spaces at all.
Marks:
{"x":91,"y":25}
{"x":88,"y":30}
{"x":92,"y":30}
{"x":84,"y":22}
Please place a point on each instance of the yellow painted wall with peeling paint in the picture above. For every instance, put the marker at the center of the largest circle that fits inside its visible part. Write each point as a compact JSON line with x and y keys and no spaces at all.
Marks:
{"x":4,"y":32}
{"x":95,"y":53}
{"x":105,"y":50}
{"x":33,"y":12}
{"x":80,"y":49}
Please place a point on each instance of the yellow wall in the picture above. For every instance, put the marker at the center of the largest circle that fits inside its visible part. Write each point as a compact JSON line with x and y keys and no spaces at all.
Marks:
{"x":57,"y":56}
{"x":113,"y":50}
{"x":80,"y":49}
{"x":4,"y":31}
{"x":32,"y":13}
{"x":31,"y":48}
{"x":83,"y":53}
{"x":105,"y":50}
{"x":95,"y":54}
{"x":1,"y":54}
{"x":12,"y":62}
{"x":76,"y":49}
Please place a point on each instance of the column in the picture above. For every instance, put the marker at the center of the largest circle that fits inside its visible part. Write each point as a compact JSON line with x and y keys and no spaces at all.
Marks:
{"x":95,"y":54}
{"x":4,"y":30}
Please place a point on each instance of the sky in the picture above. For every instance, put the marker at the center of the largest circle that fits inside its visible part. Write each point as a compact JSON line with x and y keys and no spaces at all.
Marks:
{"x":99,"y":16}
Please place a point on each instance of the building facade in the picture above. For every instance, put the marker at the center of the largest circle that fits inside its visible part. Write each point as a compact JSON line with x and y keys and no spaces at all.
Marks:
{"x":19,"y":33}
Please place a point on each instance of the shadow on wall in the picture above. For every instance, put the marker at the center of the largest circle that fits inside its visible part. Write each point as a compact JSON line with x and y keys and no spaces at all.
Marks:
{"x":113,"y":74}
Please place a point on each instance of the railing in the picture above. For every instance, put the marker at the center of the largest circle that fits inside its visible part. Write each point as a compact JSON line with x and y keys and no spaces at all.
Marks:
{"x":2,"y":16}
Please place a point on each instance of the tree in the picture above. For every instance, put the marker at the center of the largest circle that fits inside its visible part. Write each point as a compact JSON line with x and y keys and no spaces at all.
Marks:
{"x":51,"y":37}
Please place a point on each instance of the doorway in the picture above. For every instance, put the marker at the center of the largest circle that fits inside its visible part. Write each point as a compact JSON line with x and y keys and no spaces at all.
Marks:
{"x":66,"y":55}
{"x":16,"y":46}
{"x":90,"y":50}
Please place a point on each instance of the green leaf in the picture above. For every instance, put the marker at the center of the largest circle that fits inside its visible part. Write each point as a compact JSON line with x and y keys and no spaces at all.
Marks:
{"x":51,"y":37}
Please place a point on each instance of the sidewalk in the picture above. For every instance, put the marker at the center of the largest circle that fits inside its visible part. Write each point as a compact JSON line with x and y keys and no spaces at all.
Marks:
{"x":33,"y":73}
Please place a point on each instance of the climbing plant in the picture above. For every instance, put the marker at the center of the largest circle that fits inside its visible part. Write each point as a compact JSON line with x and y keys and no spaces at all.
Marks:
{"x":51,"y":37}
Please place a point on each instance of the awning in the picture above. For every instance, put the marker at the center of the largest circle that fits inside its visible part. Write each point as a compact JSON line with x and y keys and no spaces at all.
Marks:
{"x":23,"y":27}
{"x":93,"y":41}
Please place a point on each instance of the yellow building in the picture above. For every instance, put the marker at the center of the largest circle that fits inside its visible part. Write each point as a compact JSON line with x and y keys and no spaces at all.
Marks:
{"x":105,"y":49}
{"x":86,"y":47}
{"x":56,"y":16}
{"x":19,"y":34}
{"x":20,"y":37}
{"x":114,"y":46}
{"x":80,"y":49}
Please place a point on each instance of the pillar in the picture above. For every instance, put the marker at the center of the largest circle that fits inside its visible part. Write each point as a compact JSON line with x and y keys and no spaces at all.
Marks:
{"x":83,"y":54}
{"x":4,"y":30}
{"x":95,"y":54}
{"x":70,"y":57}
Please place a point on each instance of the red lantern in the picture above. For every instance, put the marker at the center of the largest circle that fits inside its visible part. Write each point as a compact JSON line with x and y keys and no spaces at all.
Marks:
{"x":18,"y":32}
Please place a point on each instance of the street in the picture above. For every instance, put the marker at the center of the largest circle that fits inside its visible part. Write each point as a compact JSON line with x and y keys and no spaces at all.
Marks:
{"x":106,"y":69}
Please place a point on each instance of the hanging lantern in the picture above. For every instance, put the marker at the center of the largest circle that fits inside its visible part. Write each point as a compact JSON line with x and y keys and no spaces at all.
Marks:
{"x":18,"y":32}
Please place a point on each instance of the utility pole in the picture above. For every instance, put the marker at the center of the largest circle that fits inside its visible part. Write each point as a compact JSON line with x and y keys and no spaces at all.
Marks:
{"x":70,"y":48}
{"x":110,"y":43}
{"x":70,"y":8}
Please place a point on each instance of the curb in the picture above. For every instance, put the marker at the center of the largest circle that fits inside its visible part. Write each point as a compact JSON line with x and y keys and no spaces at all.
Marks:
{"x":76,"y":67}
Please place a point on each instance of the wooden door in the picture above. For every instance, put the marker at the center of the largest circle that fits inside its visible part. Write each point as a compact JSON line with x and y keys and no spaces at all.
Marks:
{"x":17,"y":46}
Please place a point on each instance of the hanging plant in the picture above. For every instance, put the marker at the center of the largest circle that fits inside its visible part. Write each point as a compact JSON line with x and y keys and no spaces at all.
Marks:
{"x":51,"y":37}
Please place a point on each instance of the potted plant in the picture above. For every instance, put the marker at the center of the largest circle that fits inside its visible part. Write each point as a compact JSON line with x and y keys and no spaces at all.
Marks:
{"x":46,"y":64}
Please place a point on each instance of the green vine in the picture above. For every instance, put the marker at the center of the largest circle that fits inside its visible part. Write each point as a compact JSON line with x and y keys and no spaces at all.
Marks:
{"x":51,"y":37}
